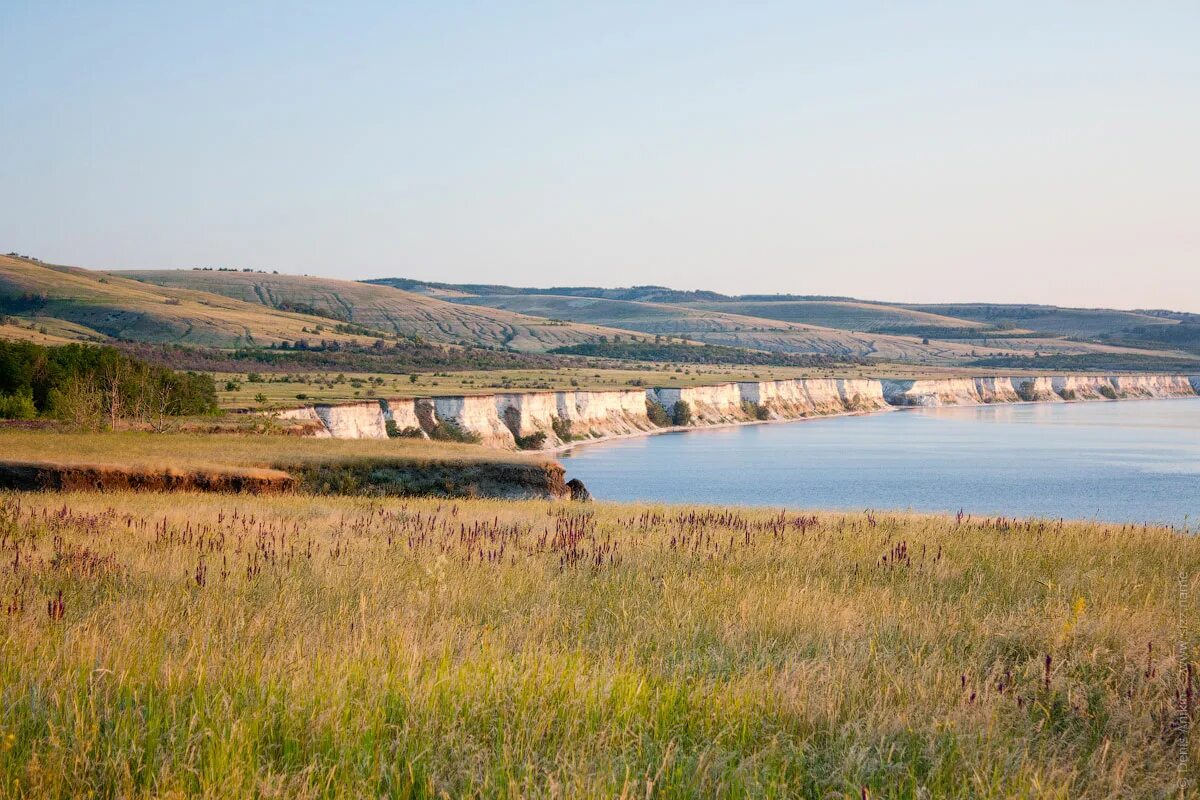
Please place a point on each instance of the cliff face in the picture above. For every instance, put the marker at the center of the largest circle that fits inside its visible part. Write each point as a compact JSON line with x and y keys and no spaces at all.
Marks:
{"x":711,"y":405}
{"x":500,"y":420}
{"x":403,"y":412}
{"x":1153,"y":386}
{"x":354,"y":421}
{"x":307,"y":421}
{"x":473,"y":414}
{"x":597,"y":414}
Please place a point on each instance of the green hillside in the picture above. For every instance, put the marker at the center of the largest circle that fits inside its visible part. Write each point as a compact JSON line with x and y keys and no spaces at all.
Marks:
{"x":382,"y":307}
{"x":73,"y":303}
{"x":848,"y":315}
{"x":736,"y":330}
{"x":1088,"y":323}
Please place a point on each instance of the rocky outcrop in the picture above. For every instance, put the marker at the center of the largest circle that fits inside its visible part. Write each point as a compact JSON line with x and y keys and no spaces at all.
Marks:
{"x":597,"y":415}
{"x":354,"y":420}
{"x":474,"y":415}
{"x":1083,"y":387}
{"x":1036,"y":389}
{"x":402,"y":413}
{"x":1129,"y":386}
{"x":710,"y":405}
{"x":934,"y":392}
{"x":547,"y":420}
{"x":861,"y":394}
{"x":304,"y":421}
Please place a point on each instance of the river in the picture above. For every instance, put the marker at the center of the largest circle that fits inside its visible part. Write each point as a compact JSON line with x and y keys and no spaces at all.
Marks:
{"x":1129,"y":461}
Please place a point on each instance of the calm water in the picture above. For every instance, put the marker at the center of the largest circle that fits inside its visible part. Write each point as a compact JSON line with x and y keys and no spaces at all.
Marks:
{"x":1129,"y":461}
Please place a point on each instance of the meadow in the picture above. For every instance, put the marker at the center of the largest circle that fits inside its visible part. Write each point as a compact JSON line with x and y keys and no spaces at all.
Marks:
{"x":216,"y":645}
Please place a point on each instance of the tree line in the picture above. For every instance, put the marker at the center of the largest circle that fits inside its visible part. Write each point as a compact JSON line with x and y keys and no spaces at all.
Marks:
{"x":92,"y":387}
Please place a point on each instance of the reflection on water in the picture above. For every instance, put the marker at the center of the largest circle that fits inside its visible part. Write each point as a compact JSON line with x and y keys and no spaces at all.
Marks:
{"x":1129,"y":461}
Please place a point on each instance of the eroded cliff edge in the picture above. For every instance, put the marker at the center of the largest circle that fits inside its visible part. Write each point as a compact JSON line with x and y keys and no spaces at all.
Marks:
{"x":552,"y":420}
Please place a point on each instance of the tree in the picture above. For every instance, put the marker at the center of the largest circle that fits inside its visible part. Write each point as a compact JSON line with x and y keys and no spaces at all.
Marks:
{"x":681,"y":413}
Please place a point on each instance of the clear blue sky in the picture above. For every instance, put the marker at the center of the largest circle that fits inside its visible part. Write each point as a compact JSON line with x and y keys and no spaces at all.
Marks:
{"x":1011,"y":151}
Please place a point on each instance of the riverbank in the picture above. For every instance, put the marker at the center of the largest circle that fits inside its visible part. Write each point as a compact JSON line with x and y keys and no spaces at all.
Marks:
{"x":557,"y":421}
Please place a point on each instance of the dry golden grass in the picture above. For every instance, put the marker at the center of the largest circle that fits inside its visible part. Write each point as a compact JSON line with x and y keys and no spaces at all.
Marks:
{"x":195,"y":450}
{"x":301,"y":646}
{"x":100,"y":305}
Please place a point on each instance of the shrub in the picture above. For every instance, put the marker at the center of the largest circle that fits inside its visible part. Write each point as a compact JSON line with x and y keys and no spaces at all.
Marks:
{"x":18,"y":405}
{"x":396,"y":432}
{"x":562,"y":428}
{"x":755,"y":410}
{"x":657,"y":414}
{"x":450,"y":431}
{"x":681,"y":413}
{"x":1108,"y":392}
{"x":534,"y":441}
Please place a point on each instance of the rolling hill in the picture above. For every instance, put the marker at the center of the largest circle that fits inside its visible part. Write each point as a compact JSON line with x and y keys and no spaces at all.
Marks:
{"x":930,"y":333}
{"x":382,"y":308}
{"x":852,"y":315}
{"x":1087,"y":323}
{"x":80,"y":304}
{"x":736,"y":330}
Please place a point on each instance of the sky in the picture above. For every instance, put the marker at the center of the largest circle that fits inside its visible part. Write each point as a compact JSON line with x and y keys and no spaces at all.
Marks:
{"x":922,"y":152}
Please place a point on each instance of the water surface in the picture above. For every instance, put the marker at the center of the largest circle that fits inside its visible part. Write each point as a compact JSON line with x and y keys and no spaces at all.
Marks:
{"x":1127,"y":461}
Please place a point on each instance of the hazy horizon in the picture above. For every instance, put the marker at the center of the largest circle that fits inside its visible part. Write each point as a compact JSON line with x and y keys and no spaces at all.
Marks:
{"x":935,"y":153}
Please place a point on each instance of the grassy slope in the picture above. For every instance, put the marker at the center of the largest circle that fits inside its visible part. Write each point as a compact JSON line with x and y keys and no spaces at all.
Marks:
{"x":846,"y":315}
{"x":101,"y":305}
{"x":1053,"y":320}
{"x":310,"y":647}
{"x":717,"y":327}
{"x":384,"y":308}
{"x":706,"y":323}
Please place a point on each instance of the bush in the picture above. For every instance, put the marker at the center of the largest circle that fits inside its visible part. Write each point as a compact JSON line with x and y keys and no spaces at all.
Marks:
{"x":657,"y":414}
{"x":1108,"y":392}
{"x":562,"y":428}
{"x":681,"y":413}
{"x":534,"y":441}
{"x":450,"y":431}
{"x":396,"y":432}
{"x":18,"y":406}
{"x":755,"y":410}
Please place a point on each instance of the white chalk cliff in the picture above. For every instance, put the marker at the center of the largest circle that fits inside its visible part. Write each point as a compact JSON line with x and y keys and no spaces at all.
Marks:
{"x":547,"y":420}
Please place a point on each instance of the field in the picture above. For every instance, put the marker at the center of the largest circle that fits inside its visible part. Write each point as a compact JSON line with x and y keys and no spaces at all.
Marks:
{"x":337,"y":647}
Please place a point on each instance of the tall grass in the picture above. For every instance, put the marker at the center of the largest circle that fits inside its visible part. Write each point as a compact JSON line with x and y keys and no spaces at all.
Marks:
{"x":340,"y":647}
